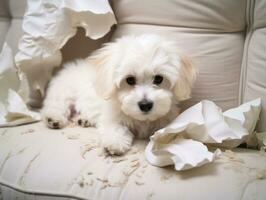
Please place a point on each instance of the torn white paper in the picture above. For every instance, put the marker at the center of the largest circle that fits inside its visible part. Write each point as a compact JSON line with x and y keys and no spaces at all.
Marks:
{"x":182,"y":142}
{"x":48,"y":25}
{"x":183,"y":153}
{"x":16,"y":111}
{"x":13,"y":110}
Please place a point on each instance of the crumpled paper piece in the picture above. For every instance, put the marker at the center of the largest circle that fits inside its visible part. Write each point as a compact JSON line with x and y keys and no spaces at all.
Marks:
{"x":16,"y":111}
{"x":182,"y":142}
{"x":48,"y":25}
{"x":13,"y":110}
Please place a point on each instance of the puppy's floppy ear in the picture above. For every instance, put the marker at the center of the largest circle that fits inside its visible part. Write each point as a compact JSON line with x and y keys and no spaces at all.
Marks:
{"x":102,"y":62}
{"x":186,"y":78}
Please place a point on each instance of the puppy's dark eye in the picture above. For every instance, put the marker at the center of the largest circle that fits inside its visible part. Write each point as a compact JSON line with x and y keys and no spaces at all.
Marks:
{"x":131,"y":80}
{"x":158,"y":79}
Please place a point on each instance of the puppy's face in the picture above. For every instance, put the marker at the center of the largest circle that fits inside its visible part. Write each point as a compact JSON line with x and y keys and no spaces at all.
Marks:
{"x":145,"y":75}
{"x":144,"y":83}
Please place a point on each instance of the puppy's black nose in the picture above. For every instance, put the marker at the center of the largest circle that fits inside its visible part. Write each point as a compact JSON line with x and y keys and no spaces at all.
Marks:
{"x":145,"y":105}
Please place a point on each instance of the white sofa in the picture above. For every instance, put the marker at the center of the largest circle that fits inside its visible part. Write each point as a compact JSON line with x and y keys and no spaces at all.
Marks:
{"x":227,"y":41}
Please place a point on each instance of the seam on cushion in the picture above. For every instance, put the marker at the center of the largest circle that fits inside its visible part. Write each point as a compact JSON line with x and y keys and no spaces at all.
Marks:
{"x":184,"y":27}
{"x":20,"y":18}
{"x":5,"y":19}
{"x":249,"y":32}
{"x":40,"y":193}
{"x":258,"y":28}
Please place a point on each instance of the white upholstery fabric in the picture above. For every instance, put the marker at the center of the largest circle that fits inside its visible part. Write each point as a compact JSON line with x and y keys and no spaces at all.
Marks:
{"x":254,"y":65}
{"x":51,"y":163}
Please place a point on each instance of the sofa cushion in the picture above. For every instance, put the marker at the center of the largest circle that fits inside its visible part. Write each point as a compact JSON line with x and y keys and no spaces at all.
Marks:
{"x":37,"y":162}
{"x":210,"y":32}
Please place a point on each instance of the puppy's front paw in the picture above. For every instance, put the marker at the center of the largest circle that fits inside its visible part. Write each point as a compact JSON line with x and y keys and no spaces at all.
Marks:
{"x":116,"y":147}
{"x":54,"y":123}
{"x":83,"y":122}
{"x":117,"y":143}
{"x":54,"y":120}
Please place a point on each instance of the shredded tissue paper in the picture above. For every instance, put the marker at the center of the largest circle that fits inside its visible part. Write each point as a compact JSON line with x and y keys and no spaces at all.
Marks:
{"x":182,"y":142}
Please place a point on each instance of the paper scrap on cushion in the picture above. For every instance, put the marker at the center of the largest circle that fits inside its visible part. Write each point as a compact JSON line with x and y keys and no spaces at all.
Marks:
{"x":182,"y":142}
{"x":13,"y":110}
{"x":185,"y":153}
{"x":16,"y":111}
{"x":247,"y":115}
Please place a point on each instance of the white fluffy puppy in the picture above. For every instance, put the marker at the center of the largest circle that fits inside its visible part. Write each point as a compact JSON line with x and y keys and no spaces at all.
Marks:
{"x":130,"y":87}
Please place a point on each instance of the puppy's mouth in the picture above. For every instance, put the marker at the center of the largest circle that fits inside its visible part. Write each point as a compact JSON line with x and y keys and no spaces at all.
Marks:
{"x":144,"y":116}
{"x":146,"y":113}
{"x":143,"y":110}
{"x":147,"y":116}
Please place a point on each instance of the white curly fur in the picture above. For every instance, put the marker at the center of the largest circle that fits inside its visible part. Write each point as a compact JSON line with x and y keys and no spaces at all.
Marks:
{"x":97,"y":90}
